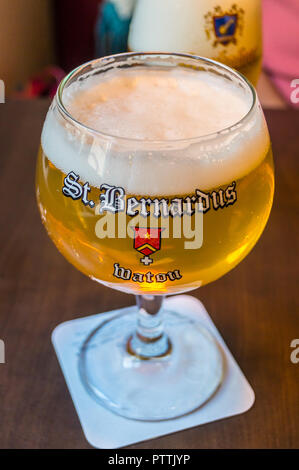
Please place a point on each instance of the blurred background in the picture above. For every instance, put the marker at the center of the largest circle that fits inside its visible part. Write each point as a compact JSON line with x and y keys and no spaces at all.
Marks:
{"x":42,"y":40}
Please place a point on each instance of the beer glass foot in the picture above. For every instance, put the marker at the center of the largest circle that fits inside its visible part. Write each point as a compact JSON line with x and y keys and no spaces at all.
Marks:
{"x":151,"y":388}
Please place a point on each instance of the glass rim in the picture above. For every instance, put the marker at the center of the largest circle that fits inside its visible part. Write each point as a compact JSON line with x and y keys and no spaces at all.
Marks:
{"x":107,"y":59}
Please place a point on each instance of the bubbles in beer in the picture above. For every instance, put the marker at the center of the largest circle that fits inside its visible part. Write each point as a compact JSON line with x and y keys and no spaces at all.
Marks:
{"x":187,"y":111}
{"x":153,"y":105}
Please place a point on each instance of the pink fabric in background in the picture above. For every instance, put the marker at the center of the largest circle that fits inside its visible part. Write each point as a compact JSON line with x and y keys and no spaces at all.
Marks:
{"x":281,"y":44}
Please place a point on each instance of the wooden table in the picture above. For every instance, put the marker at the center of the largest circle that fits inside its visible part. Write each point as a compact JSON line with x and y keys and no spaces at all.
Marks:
{"x":254,"y":307}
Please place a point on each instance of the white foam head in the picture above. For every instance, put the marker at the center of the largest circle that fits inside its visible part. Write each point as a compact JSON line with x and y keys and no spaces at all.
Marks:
{"x":162,"y":121}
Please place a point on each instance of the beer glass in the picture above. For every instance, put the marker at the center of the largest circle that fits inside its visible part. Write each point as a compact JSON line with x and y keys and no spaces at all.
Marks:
{"x":227,"y":31}
{"x":154,"y":216}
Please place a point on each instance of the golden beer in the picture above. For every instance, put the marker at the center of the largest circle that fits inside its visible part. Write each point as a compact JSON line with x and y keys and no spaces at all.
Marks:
{"x":229,"y":233}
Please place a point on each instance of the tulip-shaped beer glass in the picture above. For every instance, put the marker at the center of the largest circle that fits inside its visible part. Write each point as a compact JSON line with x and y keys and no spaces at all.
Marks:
{"x":154,"y":177}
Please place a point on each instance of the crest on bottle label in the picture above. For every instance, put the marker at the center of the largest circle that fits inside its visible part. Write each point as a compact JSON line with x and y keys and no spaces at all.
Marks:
{"x":223,"y":26}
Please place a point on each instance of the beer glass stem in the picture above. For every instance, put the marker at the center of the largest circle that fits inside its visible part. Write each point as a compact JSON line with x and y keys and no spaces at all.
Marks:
{"x":149,"y":340}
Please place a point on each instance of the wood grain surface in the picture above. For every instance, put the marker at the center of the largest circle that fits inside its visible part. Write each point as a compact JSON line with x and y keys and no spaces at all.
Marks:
{"x":255,"y":307}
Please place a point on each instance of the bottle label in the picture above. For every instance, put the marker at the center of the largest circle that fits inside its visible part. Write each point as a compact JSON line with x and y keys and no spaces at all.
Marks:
{"x":232,"y":34}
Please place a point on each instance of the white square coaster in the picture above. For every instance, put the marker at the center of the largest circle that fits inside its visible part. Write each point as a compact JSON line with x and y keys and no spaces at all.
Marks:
{"x":104,"y":429}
